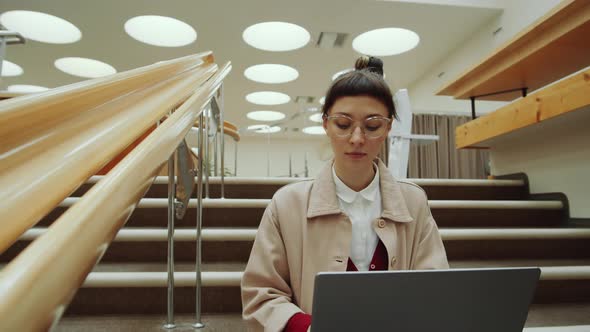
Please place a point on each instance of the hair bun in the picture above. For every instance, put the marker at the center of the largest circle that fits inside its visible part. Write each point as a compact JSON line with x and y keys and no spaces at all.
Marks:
{"x":369,"y":63}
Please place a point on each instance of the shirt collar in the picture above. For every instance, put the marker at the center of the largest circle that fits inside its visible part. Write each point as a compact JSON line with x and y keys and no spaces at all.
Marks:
{"x":324,"y":201}
{"x":348,"y":195}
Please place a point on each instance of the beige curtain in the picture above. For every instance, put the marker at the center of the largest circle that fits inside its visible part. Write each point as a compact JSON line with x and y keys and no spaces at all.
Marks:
{"x":441,"y":159}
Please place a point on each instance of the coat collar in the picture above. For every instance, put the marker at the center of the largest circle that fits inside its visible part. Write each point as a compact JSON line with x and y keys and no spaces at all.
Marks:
{"x":323,"y":199}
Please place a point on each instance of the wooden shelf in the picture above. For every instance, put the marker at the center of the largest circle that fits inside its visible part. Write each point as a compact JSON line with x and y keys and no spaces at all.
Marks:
{"x":560,"y":98}
{"x":553,"y":47}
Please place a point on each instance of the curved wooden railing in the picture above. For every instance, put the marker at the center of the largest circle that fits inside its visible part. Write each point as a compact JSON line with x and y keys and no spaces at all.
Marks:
{"x":42,"y":163}
{"x":52,"y":142}
{"x":229,"y":128}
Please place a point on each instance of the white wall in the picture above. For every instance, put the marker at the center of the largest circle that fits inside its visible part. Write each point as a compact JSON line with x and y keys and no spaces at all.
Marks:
{"x":253,"y":153}
{"x":517,"y":15}
{"x":554,"y":154}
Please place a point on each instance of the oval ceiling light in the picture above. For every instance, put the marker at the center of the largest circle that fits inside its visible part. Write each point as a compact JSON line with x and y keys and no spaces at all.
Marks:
{"x":258,"y":126}
{"x":41,"y":27}
{"x":160,"y":31}
{"x":84,"y":67}
{"x":271,"y":73}
{"x":265,"y":115}
{"x":386,"y":41}
{"x":322,"y":100}
{"x":269,"y":130}
{"x":25,"y":88}
{"x":316,"y":117}
{"x":10,"y":69}
{"x":276,"y":36}
{"x":342,"y":72}
{"x":314,"y":130}
{"x":268,"y":98}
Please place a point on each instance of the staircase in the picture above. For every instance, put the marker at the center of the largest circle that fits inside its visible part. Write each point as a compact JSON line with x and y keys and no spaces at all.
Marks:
{"x":483,"y":223}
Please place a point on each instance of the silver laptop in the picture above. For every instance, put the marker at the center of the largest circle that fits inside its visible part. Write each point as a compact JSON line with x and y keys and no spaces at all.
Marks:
{"x":435,"y":300}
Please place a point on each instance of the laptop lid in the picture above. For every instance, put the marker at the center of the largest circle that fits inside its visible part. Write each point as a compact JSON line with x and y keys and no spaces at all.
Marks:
{"x":435,"y":300}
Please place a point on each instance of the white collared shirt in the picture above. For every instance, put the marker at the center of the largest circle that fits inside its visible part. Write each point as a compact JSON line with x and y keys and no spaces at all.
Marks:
{"x":361,"y":208}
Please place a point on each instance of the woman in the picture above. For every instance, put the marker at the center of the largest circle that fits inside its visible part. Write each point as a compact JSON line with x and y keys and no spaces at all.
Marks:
{"x":353,"y":216}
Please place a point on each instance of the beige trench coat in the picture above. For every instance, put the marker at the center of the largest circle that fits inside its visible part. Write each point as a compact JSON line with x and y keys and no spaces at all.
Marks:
{"x":303,"y":232}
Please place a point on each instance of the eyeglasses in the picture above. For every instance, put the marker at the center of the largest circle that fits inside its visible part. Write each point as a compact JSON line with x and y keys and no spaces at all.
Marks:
{"x":373,"y":127}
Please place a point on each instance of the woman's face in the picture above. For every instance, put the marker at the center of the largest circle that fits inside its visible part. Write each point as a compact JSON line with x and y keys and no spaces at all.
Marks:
{"x":357,"y":151}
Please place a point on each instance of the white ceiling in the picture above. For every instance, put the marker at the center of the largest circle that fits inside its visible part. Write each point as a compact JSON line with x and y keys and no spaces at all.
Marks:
{"x":220,"y":24}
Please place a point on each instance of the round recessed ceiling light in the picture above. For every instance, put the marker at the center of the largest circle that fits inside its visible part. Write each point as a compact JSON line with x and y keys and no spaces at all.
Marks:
{"x":265,"y":115}
{"x":271,"y":73}
{"x":269,"y":130}
{"x":160,"y":31}
{"x":342,"y":72}
{"x":316,"y":117}
{"x":10,"y":69}
{"x":276,"y":36}
{"x":386,"y":41}
{"x":41,"y":27}
{"x":24,"y":88}
{"x":84,"y":67}
{"x":268,"y":98}
{"x":314,"y":130}
{"x":322,"y":100}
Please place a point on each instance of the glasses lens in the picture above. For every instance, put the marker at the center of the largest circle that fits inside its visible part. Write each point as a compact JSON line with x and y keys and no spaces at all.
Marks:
{"x":375,"y":127}
{"x":342,"y":126}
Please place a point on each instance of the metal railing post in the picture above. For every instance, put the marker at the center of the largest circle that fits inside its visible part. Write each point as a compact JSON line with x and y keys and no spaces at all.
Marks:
{"x":171,"y":215}
{"x":236,"y":158}
{"x":207,"y":124}
{"x":215,"y":148}
{"x":198,"y":323}
{"x":221,"y":123}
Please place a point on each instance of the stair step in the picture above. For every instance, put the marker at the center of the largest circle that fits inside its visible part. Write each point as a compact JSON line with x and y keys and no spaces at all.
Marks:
{"x":227,"y":203}
{"x":216,"y":279}
{"x":130,"y":234}
{"x":241,"y":187}
{"x":213,"y":323}
{"x":152,"y":212}
{"x":145,"y":292}
{"x":566,"y":314}
{"x":240,"y":266}
{"x":575,"y":328}
{"x":234,"y":245}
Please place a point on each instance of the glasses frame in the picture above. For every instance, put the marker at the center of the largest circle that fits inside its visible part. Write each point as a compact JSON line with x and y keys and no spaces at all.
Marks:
{"x":388,"y":120}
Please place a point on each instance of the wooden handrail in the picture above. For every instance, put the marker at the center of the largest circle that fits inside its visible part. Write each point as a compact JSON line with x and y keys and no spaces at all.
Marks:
{"x":38,"y":172}
{"x":233,"y":133}
{"x":9,"y":95}
{"x":42,"y":280}
{"x":229,"y":129}
{"x":25,"y":118}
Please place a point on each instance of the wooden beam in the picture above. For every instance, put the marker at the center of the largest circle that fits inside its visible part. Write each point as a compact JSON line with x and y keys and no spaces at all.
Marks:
{"x":553,"y":47}
{"x":562,"y":97}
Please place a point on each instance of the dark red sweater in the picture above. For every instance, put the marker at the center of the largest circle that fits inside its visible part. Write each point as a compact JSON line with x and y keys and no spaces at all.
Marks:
{"x":300,"y":322}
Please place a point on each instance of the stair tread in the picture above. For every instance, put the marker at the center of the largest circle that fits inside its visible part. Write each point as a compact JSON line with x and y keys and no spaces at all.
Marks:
{"x":288,"y":180}
{"x":240,"y":266}
{"x":152,"y":203}
{"x":232,"y":278}
{"x":248,"y":233}
{"x":540,"y":315}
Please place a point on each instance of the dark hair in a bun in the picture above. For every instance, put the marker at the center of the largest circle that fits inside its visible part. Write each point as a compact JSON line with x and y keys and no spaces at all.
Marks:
{"x":365,"y":80}
{"x":370,"y":63}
